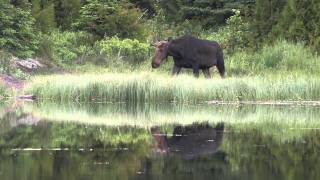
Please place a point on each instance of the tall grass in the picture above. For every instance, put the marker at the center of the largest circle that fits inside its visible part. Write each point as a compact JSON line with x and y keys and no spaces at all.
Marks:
{"x":148,"y":87}
{"x":282,"y":56}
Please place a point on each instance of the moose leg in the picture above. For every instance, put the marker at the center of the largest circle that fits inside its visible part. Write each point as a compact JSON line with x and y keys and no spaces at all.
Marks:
{"x":176,"y":70}
{"x":206,"y":73}
{"x":196,"y":71}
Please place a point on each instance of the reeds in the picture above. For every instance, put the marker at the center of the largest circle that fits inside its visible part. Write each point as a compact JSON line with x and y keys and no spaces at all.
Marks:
{"x":151,"y":87}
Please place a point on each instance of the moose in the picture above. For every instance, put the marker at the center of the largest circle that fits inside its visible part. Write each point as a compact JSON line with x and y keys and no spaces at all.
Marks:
{"x":190,"y":52}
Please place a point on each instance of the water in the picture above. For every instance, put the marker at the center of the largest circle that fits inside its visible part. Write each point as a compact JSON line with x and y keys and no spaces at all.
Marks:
{"x":119,"y":141}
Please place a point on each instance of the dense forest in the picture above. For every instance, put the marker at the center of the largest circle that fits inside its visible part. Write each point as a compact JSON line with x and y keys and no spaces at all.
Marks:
{"x":117,"y":32}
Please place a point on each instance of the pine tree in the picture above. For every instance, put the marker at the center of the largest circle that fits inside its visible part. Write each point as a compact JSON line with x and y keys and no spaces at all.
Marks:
{"x":208,"y":13}
{"x":111,"y":18}
{"x":67,"y":12}
{"x":300,"y":21}
{"x":44,"y":13}
{"x":265,"y":17}
{"x":146,"y":6}
{"x":23,"y":4}
{"x":17,"y":33}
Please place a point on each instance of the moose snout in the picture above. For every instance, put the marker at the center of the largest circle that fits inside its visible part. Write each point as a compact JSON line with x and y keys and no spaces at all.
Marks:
{"x":155,"y":65}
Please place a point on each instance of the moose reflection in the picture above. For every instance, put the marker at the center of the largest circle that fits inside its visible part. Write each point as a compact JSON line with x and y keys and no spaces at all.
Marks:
{"x":189,"y":141}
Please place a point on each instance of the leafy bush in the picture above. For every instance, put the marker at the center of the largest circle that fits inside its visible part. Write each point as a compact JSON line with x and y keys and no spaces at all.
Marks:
{"x":5,"y":61}
{"x":66,"y":47}
{"x":127,"y":50}
{"x":234,"y":36}
{"x":8,"y":66}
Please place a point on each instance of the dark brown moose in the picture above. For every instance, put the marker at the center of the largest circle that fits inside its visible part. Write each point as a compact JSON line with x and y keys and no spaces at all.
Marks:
{"x":190,"y":52}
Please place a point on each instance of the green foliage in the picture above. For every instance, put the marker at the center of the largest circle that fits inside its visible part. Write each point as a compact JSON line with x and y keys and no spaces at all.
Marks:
{"x":66,"y":12}
{"x":66,"y":47}
{"x":8,"y":66}
{"x":282,"y":56}
{"x":146,"y":6}
{"x":234,"y":36}
{"x":17,"y":33}
{"x":5,"y":61}
{"x":300,"y":21}
{"x":44,"y":13}
{"x":266,"y":15}
{"x":23,"y":4}
{"x":127,"y":51}
{"x":111,"y":18}
{"x":207,"y":13}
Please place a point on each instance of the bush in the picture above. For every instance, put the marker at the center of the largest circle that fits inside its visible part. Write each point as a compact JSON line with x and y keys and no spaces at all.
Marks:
{"x":66,"y":47}
{"x":5,"y":61}
{"x":8,"y":66}
{"x":125,"y":51}
{"x":234,"y":36}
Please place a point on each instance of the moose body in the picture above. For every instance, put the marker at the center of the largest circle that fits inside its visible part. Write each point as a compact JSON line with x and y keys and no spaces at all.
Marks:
{"x":190,"y":52}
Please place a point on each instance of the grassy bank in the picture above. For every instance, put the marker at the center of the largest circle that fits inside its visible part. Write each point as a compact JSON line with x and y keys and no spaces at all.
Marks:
{"x":151,"y":87}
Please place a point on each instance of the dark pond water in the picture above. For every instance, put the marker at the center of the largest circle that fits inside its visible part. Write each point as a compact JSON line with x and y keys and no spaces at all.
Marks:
{"x":42,"y":141}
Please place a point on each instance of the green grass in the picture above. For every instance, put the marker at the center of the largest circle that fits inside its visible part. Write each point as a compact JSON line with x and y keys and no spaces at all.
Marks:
{"x":152,"y":87}
{"x":282,"y":56}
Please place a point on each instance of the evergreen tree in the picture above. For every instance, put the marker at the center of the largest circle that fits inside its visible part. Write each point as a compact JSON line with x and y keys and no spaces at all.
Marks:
{"x":17,"y":33}
{"x":44,"y":13}
{"x":66,"y":12}
{"x":146,"y":6}
{"x":208,"y":13}
{"x":266,"y":15}
{"x":300,"y":21}
{"x":111,"y":18}
{"x":23,"y":4}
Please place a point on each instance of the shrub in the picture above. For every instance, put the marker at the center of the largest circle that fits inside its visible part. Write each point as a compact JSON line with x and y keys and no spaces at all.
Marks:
{"x":5,"y":61}
{"x":234,"y":36}
{"x":66,"y":47}
{"x":8,"y":66}
{"x":127,"y":51}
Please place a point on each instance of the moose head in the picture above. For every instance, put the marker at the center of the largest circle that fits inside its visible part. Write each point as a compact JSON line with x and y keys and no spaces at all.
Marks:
{"x":161,"y":52}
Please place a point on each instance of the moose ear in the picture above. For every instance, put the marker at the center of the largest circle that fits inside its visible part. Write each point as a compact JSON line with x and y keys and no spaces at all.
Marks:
{"x":151,"y":44}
